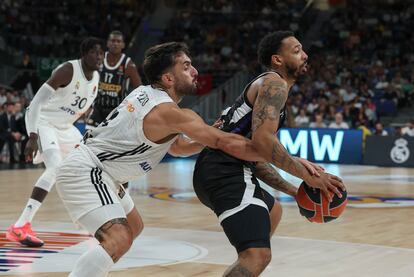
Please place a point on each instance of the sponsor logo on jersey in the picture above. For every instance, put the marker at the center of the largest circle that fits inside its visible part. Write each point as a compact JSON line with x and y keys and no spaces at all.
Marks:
{"x":143,"y":98}
{"x":68,"y":110}
{"x":145,"y":166}
{"x":354,"y":201}
{"x":77,"y":85}
{"x":110,"y":87}
{"x":130,"y":108}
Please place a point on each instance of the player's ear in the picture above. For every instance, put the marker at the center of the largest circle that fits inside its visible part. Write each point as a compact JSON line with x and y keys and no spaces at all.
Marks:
{"x":277,"y":60}
{"x":167,"y":78}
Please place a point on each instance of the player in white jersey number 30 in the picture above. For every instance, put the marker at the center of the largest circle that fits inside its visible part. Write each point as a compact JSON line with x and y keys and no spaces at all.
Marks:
{"x":60,"y":101}
{"x":130,"y":142}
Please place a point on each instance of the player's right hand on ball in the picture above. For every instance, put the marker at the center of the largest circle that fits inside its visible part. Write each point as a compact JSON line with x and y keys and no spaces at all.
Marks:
{"x":31,"y":147}
{"x":328,"y":183}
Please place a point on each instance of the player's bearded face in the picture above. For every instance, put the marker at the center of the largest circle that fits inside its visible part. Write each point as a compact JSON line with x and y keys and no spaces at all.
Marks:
{"x":295,"y":71}
{"x":295,"y":58}
{"x":186,"y":85}
{"x":185,"y":76}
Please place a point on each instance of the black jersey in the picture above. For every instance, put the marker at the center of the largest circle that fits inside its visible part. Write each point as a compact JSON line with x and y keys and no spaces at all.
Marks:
{"x":112,"y":84}
{"x":238,"y":118}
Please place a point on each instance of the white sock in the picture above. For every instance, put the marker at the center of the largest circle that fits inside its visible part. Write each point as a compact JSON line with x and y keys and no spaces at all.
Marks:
{"x":94,"y":263}
{"x":28,"y":213}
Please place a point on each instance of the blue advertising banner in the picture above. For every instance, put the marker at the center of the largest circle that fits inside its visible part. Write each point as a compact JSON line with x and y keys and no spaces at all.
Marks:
{"x":324,"y":145}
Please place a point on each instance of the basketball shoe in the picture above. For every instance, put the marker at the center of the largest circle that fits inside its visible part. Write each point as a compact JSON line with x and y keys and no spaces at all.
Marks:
{"x":24,"y":235}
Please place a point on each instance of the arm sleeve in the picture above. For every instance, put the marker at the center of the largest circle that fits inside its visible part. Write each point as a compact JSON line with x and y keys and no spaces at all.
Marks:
{"x":33,"y":111}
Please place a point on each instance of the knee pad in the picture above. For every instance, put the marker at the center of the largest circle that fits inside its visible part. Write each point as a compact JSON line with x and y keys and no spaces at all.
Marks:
{"x":52,"y":159}
{"x":47,"y":179}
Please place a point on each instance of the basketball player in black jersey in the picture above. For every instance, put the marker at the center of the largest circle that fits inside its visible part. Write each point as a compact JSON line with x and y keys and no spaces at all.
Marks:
{"x":248,"y":214}
{"x":118,"y":76}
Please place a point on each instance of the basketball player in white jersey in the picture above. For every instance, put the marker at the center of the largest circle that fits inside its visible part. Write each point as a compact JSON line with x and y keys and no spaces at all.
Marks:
{"x":59,"y":102}
{"x":130,"y":142}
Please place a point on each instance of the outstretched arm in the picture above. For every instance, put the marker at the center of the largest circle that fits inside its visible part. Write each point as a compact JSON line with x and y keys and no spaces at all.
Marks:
{"x":184,"y":146}
{"x":189,"y":123}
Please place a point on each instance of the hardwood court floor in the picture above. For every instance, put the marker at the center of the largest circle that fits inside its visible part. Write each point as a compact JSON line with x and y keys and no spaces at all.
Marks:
{"x":374,"y":237}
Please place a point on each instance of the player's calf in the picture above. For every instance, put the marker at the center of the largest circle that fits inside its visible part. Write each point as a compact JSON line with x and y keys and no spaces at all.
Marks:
{"x":253,"y":261}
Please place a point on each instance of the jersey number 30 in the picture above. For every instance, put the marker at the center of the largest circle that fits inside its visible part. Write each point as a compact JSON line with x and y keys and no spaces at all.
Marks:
{"x":80,"y":102}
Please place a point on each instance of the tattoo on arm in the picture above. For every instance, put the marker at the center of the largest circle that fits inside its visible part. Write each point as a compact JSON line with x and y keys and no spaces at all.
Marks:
{"x":271,"y":99}
{"x":269,"y":175}
{"x":282,"y":159}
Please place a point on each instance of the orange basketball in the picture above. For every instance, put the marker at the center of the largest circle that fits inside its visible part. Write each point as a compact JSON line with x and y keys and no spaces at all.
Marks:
{"x":316,"y":207}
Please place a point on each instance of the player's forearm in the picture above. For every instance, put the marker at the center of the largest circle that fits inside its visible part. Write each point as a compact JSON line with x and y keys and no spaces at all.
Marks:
{"x":274,"y":152}
{"x":283,"y":160}
{"x":33,"y":111}
{"x":239,"y":147}
{"x":269,"y":175}
{"x":186,"y":149}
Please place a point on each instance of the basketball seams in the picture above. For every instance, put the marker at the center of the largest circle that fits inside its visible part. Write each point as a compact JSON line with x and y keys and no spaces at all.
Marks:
{"x":322,"y":212}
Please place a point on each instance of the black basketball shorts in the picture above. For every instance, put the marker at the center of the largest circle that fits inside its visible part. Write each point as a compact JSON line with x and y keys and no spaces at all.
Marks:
{"x":228,"y":186}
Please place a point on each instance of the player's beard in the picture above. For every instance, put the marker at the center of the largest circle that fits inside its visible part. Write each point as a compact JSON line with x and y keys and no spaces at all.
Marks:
{"x":295,"y":72}
{"x":185,"y":88}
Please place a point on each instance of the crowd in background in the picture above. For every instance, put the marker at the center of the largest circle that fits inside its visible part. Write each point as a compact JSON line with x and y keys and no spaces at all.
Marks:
{"x":223,"y":34}
{"x":13,"y":136}
{"x":56,"y":28}
{"x":361,"y":67}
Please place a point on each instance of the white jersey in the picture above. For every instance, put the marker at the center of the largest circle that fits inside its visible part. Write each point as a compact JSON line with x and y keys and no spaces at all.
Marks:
{"x":119,"y":145}
{"x":70,"y":102}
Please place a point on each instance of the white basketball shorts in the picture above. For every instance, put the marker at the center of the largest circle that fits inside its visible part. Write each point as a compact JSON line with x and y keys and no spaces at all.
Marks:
{"x":89,"y":194}
{"x":63,"y":140}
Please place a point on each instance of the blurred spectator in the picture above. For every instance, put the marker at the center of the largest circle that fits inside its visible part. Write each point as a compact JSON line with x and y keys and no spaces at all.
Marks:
{"x":3,"y":98}
{"x":379,"y":130}
{"x":318,"y":123}
{"x":398,"y":131}
{"x":8,"y":130}
{"x":21,"y":128}
{"x":409,"y":129}
{"x":302,"y":120}
{"x":339,"y":122}
{"x":365,"y":131}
